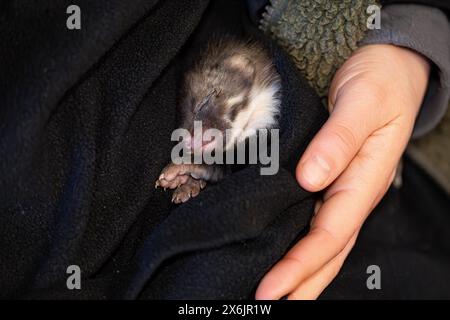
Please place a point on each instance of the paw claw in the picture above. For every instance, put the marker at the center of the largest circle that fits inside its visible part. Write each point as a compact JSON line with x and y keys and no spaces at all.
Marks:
{"x":185,"y":185}
{"x":190,"y":189}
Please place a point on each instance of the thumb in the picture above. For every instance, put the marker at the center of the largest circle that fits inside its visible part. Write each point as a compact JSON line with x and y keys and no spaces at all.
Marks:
{"x":352,"y":120}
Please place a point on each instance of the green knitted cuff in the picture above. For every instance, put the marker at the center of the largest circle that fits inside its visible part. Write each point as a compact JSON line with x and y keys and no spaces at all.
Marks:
{"x":319,"y":34}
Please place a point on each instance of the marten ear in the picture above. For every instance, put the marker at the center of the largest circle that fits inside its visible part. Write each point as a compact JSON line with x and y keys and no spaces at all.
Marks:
{"x":242,"y":64}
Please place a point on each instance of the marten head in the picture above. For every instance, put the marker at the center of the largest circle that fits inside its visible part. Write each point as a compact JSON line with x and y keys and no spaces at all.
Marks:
{"x":224,"y":91}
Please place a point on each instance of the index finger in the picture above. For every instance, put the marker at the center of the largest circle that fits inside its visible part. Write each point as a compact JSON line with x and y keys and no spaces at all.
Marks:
{"x":329,"y":234}
{"x":346,"y":205}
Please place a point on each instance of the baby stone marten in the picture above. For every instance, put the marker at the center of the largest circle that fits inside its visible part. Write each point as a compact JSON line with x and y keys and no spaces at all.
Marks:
{"x":234,"y":88}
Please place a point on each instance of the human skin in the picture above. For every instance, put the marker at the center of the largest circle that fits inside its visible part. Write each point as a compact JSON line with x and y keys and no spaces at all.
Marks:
{"x":374,"y":100}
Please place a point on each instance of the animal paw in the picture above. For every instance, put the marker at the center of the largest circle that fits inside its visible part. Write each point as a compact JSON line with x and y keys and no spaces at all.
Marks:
{"x":171,"y":177}
{"x":190,"y":189}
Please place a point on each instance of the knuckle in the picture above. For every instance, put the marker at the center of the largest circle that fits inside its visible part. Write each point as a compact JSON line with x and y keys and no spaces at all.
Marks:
{"x":368,"y":90}
{"x":335,"y":271}
{"x":347,"y":139}
{"x":383,"y":190}
{"x":339,"y":240}
{"x":296,"y":260}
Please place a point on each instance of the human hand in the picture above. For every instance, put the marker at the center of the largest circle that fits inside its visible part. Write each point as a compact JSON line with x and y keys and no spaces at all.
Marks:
{"x":374,"y":99}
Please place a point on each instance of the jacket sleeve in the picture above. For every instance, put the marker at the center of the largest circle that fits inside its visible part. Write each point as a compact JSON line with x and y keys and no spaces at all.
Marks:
{"x":442,"y":4}
{"x":424,"y":29}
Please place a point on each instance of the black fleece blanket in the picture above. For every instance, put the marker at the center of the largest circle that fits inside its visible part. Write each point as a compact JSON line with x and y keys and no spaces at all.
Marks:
{"x":86,"y":120}
{"x":85,"y":123}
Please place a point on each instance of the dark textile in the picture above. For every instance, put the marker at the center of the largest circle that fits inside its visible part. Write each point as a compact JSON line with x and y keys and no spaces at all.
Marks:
{"x":86,"y":117}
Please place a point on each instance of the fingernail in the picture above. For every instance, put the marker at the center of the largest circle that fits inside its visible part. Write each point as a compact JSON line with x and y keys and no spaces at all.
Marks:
{"x":316,"y":171}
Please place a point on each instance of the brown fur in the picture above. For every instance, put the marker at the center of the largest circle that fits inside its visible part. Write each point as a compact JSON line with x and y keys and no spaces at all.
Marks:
{"x":226,"y":69}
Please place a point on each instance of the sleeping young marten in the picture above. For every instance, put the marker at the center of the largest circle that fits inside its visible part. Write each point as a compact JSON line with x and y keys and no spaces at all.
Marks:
{"x":234,"y":88}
